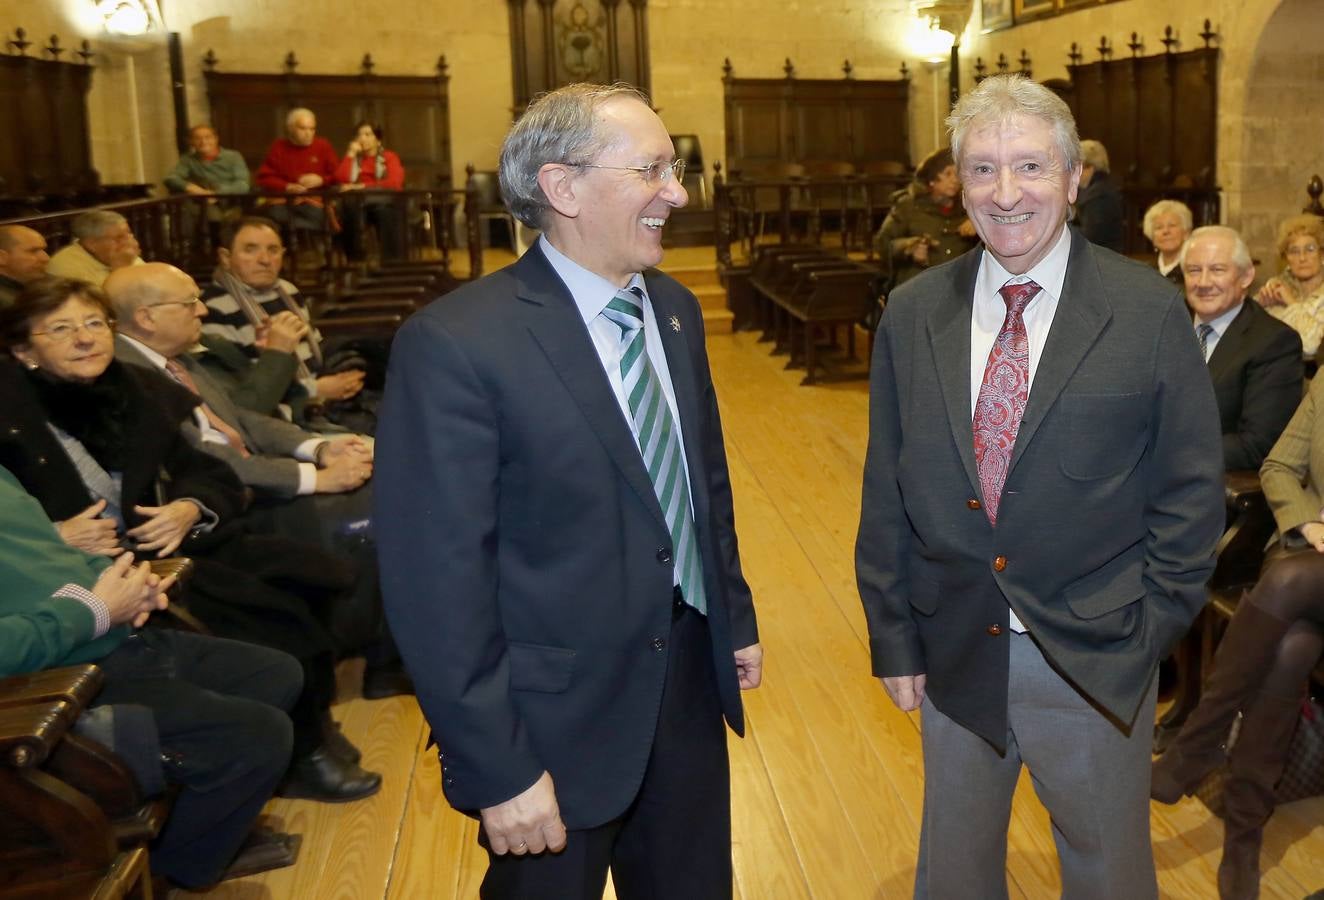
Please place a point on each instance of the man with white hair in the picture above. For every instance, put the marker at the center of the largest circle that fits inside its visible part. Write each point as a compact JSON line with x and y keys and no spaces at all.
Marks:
{"x":1099,"y":206}
{"x":296,"y":164}
{"x":1042,"y":497}
{"x":103,"y":242}
{"x":1254,"y":359}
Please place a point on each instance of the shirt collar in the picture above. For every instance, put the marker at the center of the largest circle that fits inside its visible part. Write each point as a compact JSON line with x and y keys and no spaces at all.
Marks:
{"x":1050,"y":273}
{"x":591,"y":292}
{"x":1221,"y":322}
{"x":155,"y":358}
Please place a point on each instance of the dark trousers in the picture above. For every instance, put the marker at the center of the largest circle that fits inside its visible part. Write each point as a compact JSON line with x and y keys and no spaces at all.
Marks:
{"x":225,"y":738}
{"x":386,"y":215}
{"x":674,"y":841}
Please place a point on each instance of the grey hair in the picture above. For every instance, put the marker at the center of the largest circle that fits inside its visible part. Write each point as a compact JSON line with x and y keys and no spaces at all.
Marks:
{"x":561,"y":126}
{"x":296,"y":113}
{"x":1167,"y":207}
{"x":1240,"y":252}
{"x":94,"y":223}
{"x":1093,"y":153}
{"x":1002,"y":97}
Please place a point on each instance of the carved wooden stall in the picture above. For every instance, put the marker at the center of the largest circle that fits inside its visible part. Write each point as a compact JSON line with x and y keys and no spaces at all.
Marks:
{"x":775,"y":122}
{"x":44,"y":137}
{"x":249,"y":108}
{"x":1157,"y":116}
{"x":559,"y":42}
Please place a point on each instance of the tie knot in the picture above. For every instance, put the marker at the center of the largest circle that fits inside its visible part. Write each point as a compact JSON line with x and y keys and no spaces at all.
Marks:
{"x":1204,"y":330}
{"x":1018,"y":296}
{"x":626,"y":311}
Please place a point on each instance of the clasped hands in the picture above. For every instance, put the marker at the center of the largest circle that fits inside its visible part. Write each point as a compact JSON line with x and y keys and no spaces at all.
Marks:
{"x":131,"y":593}
{"x":163,"y":530}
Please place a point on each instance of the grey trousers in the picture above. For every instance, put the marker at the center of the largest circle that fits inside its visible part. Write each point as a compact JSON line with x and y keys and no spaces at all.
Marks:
{"x":1091,"y":776}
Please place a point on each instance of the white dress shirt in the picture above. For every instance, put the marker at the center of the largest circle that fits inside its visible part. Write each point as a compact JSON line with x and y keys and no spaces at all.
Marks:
{"x":990,"y":311}
{"x":592,"y":293}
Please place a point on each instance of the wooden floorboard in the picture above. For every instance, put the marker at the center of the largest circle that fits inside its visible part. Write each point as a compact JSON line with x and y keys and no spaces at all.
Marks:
{"x":827,"y":785}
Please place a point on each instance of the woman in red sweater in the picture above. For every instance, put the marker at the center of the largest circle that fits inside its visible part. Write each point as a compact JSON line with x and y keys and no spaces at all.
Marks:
{"x":368,"y":165}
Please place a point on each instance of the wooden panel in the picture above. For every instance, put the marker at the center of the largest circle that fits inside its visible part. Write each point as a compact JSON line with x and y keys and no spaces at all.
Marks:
{"x":1195,"y":116}
{"x":1153,"y":157}
{"x":757,"y":132}
{"x":44,"y":146}
{"x":249,"y":111}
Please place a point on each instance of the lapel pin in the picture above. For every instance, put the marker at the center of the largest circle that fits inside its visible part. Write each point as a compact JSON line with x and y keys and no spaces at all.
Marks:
{"x":675,"y":324}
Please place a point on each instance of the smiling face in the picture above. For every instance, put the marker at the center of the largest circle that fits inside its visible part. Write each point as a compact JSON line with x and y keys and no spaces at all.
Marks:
{"x":1168,"y":234}
{"x":82,"y":356}
{"x":620,"y":215}
{"x":1303,"y":256}
{"x":1214,"y":284}
{"x":204,"y":142}
{"x":1017,"y":189}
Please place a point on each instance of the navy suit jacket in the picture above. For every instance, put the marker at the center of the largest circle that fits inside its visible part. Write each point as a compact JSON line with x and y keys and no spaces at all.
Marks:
{"x":525,"y":559}
{"x":1112,"y":505}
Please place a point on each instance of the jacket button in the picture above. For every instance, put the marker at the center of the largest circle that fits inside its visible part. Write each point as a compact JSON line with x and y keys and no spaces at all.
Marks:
{"x":658,"y":643}
{"x":995,"y":629}
{"x":972,"y":503}
{"x":999,"y":563}
{"x":664,"y":556}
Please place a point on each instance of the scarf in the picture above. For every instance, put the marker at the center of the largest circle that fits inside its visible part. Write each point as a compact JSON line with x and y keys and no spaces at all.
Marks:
{"x":379,"y":170}
{"x":96,"y":415}
{"x":246,"y":297}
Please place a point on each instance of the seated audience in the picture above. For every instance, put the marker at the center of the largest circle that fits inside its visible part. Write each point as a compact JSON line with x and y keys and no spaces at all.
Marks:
{"x":23,"y":259}
{"x":90,"y":438}
{"x":305,"y":484}
{"x":1254,"y":360}
{"x":927,"y":224}
{"x":1167,"y":224}
{"x":1263,"y":663}
{"x":103,"y":242}
{"x":208,"y":168}
{"x":218,"y":706}
{"x":296,"y":164}
{"x":243,"y":303}
{"x":369,"y":165}
{"x":1099,"y":203}
{"x":1296,"y":294}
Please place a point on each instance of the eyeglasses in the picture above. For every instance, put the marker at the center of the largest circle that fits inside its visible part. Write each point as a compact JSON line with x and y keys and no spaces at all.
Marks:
{"x":65,"y":331}
{"x":196,"y":298}
{"x":657,"y":173}
{"x":1307,"y":250}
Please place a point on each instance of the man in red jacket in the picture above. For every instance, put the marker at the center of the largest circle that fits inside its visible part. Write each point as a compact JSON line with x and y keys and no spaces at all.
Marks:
{"x":295,"y":165}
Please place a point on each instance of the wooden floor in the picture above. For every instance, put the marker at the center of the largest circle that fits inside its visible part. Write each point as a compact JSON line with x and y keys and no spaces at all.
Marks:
{"x":827,"y":783}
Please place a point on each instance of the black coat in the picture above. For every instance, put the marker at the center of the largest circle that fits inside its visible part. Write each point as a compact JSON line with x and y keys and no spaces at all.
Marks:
{"x":1099,"y":212}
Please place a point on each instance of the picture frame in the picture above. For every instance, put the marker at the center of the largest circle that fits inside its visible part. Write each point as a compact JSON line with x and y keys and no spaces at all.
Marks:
{"x":995,"y":15}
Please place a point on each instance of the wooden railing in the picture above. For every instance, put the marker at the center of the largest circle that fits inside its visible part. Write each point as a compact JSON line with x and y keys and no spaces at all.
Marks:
{"x":183,"y":229}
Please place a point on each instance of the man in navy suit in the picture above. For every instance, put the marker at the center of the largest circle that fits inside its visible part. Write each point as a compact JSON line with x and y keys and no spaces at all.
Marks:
{"x":1042,"y":497}
{"x":555,"y":527}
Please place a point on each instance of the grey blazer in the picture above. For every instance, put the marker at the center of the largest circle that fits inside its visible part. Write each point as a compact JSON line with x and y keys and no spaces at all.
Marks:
{"x":1111,"y":510}
{"x":271,"y":468}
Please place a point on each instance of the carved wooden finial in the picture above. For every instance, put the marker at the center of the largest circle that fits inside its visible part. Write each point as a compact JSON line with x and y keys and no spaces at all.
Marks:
{"x":291,"y":63}
{"x":728,"y":70}
{"x":54,"y":48}
{"x":789,"y":68}
{"x":1169,"y":41}
{"x":469,"y":169}
{"x":1105,"y":49}
{"x":1025,"y":64}
{"x":905,"y":71}
{"x":20,"y":42}
{"x":1003,"y":65}
{"x":717,"y":168}
{"x":1208,"y":35}
{"x":209,"y":61}
{"x":1075,"y":55}
{"x":442,"y":67}
{"x":367,"y":64}
{"x":85,"y":52}
{"x":847,"y":69}
{"x":1314,"y":189}
{"x":980,"y":69}
{"x":1136,"y":44}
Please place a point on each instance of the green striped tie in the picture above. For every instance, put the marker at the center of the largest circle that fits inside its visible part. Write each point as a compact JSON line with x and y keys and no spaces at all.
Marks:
{"x":658,"y":442}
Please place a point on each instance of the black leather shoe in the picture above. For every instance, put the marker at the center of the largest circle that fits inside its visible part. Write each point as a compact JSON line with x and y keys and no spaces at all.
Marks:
{"x":334,"y":740}
{"x":387,"y":681}
{"x":323,"y":776}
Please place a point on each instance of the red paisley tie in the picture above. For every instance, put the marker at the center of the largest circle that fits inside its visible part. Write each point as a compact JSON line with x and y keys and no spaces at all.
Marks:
{"x":1002,"y":396}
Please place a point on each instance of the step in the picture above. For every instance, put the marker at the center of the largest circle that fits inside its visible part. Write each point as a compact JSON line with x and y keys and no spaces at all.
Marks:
{"x":694,"y":277}
{"x":717,"y":321}
{"x":711,"y":297}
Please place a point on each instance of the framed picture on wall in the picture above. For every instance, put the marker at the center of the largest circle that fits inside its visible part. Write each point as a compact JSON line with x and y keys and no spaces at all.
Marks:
{"x":1026,"y":10}
{"x":995,"y":14}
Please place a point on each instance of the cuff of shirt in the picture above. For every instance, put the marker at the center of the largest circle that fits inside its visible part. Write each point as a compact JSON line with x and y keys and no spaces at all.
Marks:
{"x":207,"y":522}
{"x":97,"y":606}
{"x":307,"y":478}
{"x":307,"y":451}
{"x":310,"y":385}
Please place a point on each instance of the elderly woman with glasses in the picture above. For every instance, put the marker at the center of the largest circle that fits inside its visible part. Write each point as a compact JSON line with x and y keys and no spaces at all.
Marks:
{"x":1167,"y":224}
{"x":98,"y":443}
{"x":1296,"y":294}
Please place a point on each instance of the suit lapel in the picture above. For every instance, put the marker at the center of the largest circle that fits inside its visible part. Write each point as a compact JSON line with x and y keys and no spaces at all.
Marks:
{"x":1082,"y":313}
{"x":556,"y":325}
{"x":949,"y":333}
{"x":1220,"y":361}
{"x":680,"y":363}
